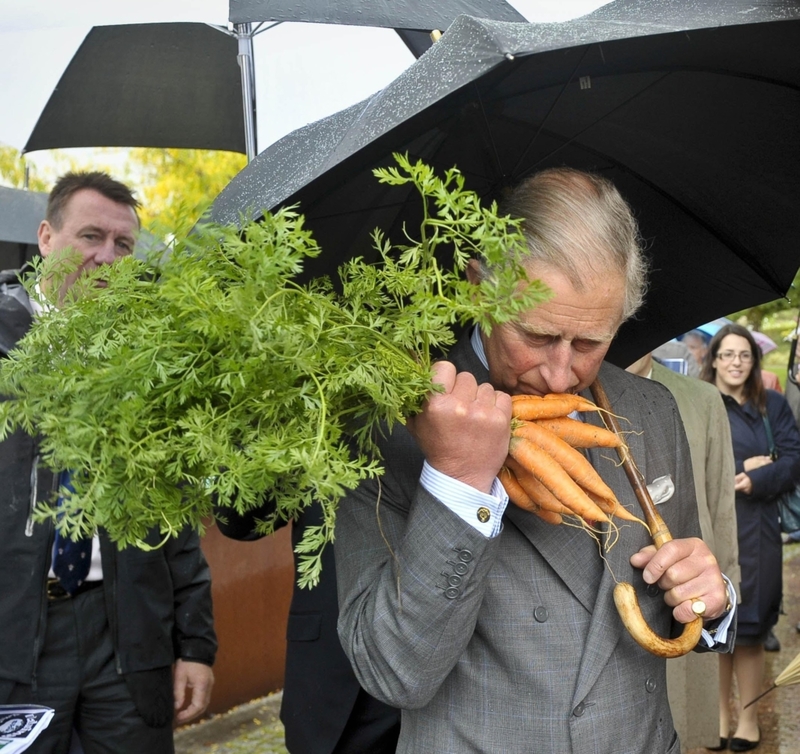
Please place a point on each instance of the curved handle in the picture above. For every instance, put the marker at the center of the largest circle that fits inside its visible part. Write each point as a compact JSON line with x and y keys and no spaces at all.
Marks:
{"x":624,"y":594}
{"x":628,"y":608}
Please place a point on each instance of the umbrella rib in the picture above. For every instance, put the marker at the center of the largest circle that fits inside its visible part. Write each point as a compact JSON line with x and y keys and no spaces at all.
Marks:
{"x":552,"y":107}
{"x":489,"y":133}
{"x":580,"y":133}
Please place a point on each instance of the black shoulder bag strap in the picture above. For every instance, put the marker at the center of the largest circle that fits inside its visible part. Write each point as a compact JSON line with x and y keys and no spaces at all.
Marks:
{"x":773,"y":452}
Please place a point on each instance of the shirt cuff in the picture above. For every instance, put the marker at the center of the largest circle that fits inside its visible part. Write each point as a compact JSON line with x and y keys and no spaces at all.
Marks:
{"x":719,"y":634}
{"x":481,"y":511}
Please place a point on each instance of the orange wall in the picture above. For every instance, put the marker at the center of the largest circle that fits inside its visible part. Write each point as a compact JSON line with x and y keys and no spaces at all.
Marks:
{"x":252,"y":588}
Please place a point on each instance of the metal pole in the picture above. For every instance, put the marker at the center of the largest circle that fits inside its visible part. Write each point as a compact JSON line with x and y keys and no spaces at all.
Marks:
{"x":244,"y":34}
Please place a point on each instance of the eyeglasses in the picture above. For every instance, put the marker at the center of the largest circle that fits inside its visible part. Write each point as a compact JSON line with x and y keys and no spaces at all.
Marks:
{"x":745,"y":356}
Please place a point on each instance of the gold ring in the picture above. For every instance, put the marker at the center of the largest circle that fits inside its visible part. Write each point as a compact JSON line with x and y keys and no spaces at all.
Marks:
{"x":699,"y":607}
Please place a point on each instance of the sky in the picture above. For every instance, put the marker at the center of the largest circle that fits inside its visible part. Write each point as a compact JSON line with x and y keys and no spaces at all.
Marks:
{"x":303,"y":71}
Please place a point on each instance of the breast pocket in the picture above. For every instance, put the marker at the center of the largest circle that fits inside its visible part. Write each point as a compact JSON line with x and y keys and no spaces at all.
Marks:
{"x":303,"y":626}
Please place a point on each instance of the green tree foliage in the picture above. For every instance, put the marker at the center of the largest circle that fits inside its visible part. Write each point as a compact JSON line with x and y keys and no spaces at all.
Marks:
{"x":176,"y":186}
{"x":12,"y":171}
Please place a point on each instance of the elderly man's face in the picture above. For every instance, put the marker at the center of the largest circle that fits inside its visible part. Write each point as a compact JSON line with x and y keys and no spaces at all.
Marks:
{"x":100,"y":229}
{"x":697,"y":347}
{"x":558,"y":346}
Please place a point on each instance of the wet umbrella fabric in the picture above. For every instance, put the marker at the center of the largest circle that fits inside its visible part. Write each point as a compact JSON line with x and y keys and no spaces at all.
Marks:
{"x":694,"y":116}
{"x":393,"y":14}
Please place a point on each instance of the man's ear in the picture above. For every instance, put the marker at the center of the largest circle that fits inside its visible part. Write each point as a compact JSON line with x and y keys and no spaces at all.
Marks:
{"x":44,"y":236}
{"x":474,"y":271}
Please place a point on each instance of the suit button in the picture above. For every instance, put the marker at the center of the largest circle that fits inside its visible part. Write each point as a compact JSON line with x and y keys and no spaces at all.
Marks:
{"x":460,"y":568}
{"x":451,"y":593}
{"x":465,"y":556}
{"x":650,"y":685}
{"x":579,"y":710}
{"x":454,"y":580}
{"x":540,"y":614}
{"x":652,"y":590}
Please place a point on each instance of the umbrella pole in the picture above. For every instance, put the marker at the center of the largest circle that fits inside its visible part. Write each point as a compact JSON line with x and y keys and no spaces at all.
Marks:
{"x":763,"y":693}
{"x":244,"y":35}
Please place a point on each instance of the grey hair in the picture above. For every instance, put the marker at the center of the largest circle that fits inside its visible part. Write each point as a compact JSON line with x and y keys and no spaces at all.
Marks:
{"x":578,"y":223}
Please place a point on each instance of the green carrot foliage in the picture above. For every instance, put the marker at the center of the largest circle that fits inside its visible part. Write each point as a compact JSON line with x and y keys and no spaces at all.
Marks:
{"x":210,"y":376}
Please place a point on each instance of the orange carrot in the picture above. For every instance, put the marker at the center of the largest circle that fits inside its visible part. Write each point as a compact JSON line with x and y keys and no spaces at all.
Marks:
{"x":535,"y":491}
{"x":613,"y":507}
{"x":552,"y":476}
{"x":571,"y":460}
{"x":520,"y":498}
{"x":580,"y":434}
{"x":530,"y":407}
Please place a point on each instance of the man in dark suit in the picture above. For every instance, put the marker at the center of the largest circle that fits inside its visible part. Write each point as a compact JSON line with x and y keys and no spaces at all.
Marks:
{"x":491,"y":629}
{"x":324,"y":710}
{"x":113,"y":640}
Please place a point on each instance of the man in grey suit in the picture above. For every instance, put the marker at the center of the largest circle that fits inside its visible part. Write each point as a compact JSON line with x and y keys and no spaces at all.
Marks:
{"x":492,"y":630}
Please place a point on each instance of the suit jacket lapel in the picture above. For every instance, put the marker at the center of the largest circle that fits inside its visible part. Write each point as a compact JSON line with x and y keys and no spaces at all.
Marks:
{"x":606,"y":627}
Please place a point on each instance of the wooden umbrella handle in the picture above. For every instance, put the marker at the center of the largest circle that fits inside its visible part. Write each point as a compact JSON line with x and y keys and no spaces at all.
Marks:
{"x":624,"y":594}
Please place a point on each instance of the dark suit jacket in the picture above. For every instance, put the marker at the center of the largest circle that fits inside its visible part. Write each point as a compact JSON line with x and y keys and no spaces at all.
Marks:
{"x":511,"y":643}
{"x":158,"y":602}
{"x":323,"y":709}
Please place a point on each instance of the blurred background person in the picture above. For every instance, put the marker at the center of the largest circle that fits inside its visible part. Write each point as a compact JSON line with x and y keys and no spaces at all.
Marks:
{"x":733,"y":365}
{"x":676,"y":349}
{"x":697,"y":343}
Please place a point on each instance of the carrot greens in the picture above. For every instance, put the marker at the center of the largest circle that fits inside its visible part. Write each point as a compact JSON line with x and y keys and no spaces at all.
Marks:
{"x":212,"y":376}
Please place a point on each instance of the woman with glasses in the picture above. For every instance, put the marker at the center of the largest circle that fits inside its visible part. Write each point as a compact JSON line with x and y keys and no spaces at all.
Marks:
{"x":766,"y":449}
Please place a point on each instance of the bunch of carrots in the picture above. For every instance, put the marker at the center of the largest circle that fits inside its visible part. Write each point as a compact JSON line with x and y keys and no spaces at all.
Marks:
{"x":545,"y":471}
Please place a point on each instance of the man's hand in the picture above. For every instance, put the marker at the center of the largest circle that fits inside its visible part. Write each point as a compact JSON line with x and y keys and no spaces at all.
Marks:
{"x":686,"y":570}
{"x":191,"y":685}
{"x":464,"y":430}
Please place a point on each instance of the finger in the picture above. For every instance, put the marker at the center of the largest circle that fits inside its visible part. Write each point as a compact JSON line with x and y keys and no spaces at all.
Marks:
{"x":684,"y":613}
{"x":179,"y":683}
{"x":444,"y":373}
{"x":192,"y":711}
{"x":643,"y":557}
{"x":200,"y":698}
{"x":655,"y":564}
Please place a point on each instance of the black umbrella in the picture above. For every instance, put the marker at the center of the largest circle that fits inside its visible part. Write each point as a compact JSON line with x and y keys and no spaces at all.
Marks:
{"x":21,"y":213}
{"x":691,"y":108}
{"x":181,"y":85}
{"x":390,"y":14}
{"x":147,"y":85}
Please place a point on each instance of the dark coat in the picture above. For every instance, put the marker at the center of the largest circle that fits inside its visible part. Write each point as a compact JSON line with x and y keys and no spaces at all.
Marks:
{"x":158,"y":602}
{"x":760,"y":554}
{"x":321,"y":696}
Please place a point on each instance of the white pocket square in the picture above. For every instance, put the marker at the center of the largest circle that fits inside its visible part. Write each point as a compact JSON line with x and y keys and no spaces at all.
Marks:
{"x":661,"y":489}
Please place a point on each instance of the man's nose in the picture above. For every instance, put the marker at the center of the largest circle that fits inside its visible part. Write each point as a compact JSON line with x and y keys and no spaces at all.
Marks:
{"x":106,"y":254}
{"x":557,"y":370}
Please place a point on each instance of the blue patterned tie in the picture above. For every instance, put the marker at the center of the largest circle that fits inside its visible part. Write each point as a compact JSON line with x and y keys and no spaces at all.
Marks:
{"x":71,"y":560}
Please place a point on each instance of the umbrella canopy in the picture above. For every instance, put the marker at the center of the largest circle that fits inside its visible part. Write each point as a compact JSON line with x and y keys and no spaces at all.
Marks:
{"x":397,"y":14}
{"x":180,"y":84}
{"x":147,"y":85}
{"x":692,"y":114}
{"x":21,"y":212}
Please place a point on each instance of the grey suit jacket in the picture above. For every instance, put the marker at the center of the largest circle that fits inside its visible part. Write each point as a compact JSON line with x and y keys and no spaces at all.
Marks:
{"x":511,"y":644}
